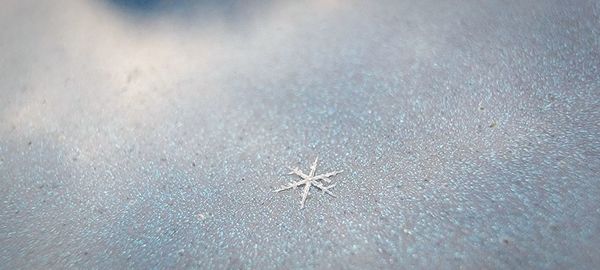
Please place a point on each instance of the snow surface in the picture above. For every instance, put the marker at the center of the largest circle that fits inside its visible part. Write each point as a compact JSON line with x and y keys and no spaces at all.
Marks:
{"x":150,"y":134}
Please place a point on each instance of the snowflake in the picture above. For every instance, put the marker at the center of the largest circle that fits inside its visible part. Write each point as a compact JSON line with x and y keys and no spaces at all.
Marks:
{"x":310,"y":180}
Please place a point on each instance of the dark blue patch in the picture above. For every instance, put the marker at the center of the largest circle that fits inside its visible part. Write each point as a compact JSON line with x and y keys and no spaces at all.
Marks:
{"x":231,"y":11}
{"x":150,"y":5}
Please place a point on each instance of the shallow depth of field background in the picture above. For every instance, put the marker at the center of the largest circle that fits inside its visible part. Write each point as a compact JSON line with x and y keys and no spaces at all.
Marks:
{"x":149,"y":134}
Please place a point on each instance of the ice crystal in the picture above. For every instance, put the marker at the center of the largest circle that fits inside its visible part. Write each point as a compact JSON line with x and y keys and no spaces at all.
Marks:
{"x":310,"y":180}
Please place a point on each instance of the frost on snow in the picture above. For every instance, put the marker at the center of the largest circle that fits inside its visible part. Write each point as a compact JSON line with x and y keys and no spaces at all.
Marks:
{"x":310,"y":180}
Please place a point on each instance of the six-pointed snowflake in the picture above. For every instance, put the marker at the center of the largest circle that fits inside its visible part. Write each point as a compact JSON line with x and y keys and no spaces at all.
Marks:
{"x":310,"y":180}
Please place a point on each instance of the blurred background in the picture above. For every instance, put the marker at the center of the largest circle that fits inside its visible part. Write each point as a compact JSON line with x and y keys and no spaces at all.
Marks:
{"x":150,"y":134}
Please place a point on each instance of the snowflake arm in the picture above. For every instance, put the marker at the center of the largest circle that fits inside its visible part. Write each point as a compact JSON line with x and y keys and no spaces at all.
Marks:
{"x":325,"y":176}
{"x":324,"y":189}
{"x":304,"y":195}
{"x":291,"y":185}
{"x":298,"y":172}
{"x":313,"y":168}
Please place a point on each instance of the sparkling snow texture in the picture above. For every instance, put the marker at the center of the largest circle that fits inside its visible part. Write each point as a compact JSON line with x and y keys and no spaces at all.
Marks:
{"x":151,"y":134}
